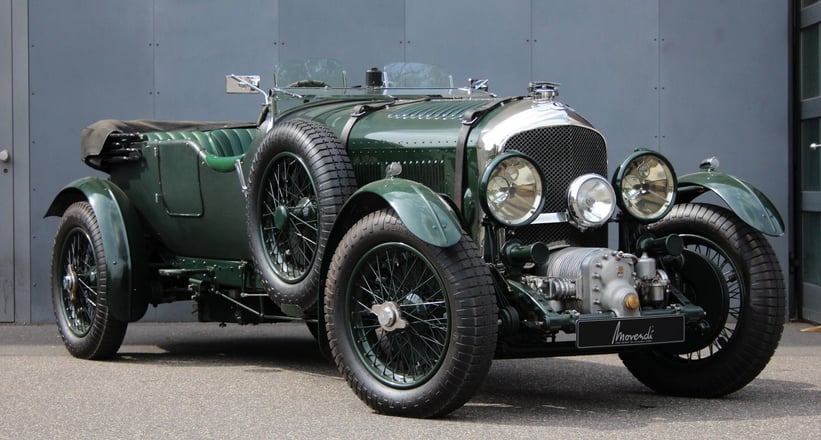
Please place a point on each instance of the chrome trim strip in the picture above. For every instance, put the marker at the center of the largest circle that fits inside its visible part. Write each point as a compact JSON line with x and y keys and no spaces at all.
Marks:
{"x":551,"y":217}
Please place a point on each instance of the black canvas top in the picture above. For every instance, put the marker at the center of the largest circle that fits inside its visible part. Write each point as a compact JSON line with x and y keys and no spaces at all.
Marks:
{"x":95,"y":135}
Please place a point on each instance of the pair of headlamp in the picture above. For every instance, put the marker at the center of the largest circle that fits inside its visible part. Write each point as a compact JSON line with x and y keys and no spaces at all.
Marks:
{"x":512,"y":191}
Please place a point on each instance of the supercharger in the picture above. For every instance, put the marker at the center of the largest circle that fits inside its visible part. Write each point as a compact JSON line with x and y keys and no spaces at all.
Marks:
{"x":600,"y":280}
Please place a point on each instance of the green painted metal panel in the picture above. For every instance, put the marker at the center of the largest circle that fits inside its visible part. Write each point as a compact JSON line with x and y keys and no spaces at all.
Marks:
{"x":219,"y":229}
{"x":179,"y":180}
{"x":424,"y":213}
{"x":420,"y":136}
{"x":122,"y":235}
{"x":750,"y":204}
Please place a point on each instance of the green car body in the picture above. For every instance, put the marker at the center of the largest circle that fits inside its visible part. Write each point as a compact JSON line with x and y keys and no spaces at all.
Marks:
{"x":196,"y":210}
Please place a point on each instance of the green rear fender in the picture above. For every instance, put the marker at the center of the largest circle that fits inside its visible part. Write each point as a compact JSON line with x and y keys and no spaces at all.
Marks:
{"x":422,"y":211}
{"x":123,"y":242}
{"x":750,"y":204}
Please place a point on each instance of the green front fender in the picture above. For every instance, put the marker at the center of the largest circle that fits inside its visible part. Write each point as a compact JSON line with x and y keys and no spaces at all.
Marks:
{"x":123,"y":242}
{"x":422,"y":211}
{"x":750,"y":204}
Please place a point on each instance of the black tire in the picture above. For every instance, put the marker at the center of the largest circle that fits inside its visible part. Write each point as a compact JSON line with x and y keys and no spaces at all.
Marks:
{"x":317,"y":330}
{"x":750,"y":316}
{"x":434,"y":343}
{"x":80,"y":289}
{"x":299,"y":179}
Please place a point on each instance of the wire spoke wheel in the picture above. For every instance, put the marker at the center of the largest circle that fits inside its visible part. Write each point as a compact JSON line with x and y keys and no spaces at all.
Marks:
{"x":80,"y":287}
{"x":79,"y":282}
{"x":290,"y":217}
{"x":300,"y":178}
{"x":725,"y":313}
{"x":411,"y":326}
{"x":730,"y":270}
{"x":399,"y":315}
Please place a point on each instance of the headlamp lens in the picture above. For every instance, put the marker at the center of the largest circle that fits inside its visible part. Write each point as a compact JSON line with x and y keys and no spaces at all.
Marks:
{"x":647,"y":186}
{"x":512,"y":189}
{"x":591,"y":201}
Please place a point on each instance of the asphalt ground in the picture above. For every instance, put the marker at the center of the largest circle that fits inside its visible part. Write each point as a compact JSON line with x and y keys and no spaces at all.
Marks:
{"x":201,"y":381}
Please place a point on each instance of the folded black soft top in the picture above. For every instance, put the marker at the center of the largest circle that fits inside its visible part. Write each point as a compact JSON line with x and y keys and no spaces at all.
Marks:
{"x":95,"y":135}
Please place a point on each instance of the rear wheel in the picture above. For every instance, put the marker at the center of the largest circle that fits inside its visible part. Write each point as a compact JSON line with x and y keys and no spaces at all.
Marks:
{"x":412,"y":327}
{"x":745,"y":309}
{"x":80,"y":287}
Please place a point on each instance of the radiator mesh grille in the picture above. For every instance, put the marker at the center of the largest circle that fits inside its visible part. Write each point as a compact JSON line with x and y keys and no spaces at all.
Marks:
{"x":428,"y":172}
{"x":564,"y":153}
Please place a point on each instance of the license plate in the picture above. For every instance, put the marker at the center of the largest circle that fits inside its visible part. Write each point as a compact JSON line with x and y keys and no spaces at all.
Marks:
{"x":619,"y":332}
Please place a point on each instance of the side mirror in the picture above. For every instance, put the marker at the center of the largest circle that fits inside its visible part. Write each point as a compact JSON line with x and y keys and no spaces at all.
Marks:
{"x":242,"y":84}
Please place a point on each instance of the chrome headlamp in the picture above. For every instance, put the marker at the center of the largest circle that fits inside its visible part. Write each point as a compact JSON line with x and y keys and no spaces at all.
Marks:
{"x":590,"y":201}
{"x":646,"y":184}
{"x":511,"y":189}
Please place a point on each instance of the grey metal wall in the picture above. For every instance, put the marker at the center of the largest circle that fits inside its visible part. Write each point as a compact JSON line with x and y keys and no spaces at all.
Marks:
{"x":691,"y":78}
{"x":6,"y":172}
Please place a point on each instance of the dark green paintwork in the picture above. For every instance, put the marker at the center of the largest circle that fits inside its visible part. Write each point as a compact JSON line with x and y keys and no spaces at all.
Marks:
{"x":179,"y":168}
{"x":750,"y":204}
{"x":219,"y":272}
{"x":424,"y":213}
{"x":198,"y":210}
{"x":122,"y":235}
{"x":421,"y":136}
{"x":192,"y":210}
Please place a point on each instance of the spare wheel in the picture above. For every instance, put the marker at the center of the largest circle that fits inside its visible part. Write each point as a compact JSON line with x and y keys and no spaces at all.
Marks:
{"x":300,"y":177}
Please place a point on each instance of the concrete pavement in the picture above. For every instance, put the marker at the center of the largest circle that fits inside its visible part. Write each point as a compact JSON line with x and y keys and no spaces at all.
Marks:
{"x":196,"y":380}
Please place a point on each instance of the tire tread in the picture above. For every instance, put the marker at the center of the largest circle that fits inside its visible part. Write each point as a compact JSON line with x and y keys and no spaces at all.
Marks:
{"x":107,"y":332}
{"x":757,"y":333}
{"x":474,"y":321}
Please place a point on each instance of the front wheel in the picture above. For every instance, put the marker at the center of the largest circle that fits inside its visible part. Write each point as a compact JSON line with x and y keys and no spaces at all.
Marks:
{"x":80,"y":287}
{"x":412,"y":327}
{"x":746,"y":311}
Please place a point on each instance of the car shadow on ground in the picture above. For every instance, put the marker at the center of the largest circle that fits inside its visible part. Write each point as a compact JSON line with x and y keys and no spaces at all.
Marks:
{"x":293,"y":350}
{"x":524,"y":392}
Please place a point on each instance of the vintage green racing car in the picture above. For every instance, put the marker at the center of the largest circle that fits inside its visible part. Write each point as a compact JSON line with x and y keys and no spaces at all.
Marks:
{"x":420,"y":232}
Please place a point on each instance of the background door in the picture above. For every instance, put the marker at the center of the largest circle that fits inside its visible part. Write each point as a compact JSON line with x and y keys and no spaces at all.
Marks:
{"x":6,"y":180}
{"x":810,"y":157}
